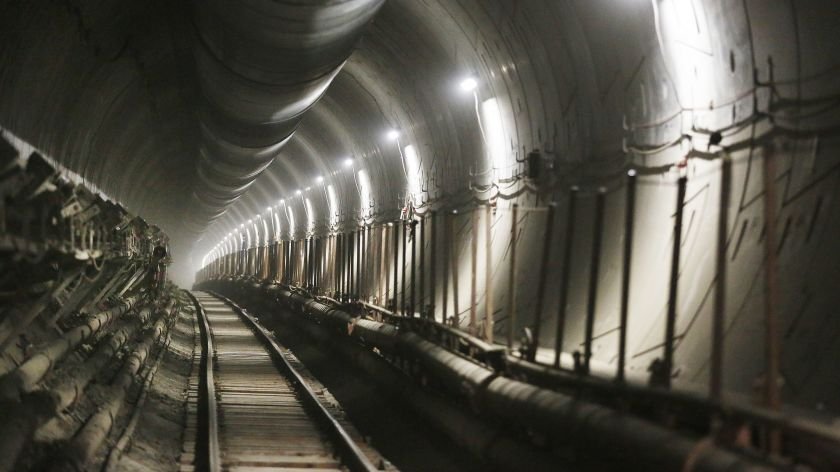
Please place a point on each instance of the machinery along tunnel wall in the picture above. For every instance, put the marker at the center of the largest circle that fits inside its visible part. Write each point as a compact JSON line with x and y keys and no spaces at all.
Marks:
{"x":669,"y":90}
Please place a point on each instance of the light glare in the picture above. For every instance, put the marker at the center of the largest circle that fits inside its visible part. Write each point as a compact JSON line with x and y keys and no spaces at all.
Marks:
{"x":469,"y":84}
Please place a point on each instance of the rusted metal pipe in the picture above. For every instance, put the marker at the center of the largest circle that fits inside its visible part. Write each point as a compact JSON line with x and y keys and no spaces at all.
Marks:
{"x":97,"y":427}
{"x":27,"y":375}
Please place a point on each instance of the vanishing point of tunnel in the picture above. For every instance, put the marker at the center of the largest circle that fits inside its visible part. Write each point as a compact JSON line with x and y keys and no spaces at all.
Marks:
{"x":419,"y":235}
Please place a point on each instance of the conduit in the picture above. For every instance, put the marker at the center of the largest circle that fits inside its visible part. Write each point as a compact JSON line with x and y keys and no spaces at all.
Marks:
{"x":261,"y":65}
{"x":25,"y":377}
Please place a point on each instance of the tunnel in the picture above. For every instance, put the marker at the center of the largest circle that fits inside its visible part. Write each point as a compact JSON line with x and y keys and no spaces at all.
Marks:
{"x":420,"y":235}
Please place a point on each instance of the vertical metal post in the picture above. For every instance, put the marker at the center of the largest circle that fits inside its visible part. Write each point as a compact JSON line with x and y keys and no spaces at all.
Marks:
{"x":413,"y":300}
{"x":771,"y":295}
{"x":511,"y":331}
{"x":319,"y":281}
{"x":566,"y":275}
{"x":629,"y":221}
{"x":473,"y":271}
{"x":422,"y":271}
{"x":310,"y":271}
{"x":340,"y":264}
{"x":334,"y":264}
{"x":488,"y":273}
{"x":447,"y":220}
{"x":359,"y":259}
{"x":671,"y":321}
{"x":546,"y":256}
{"x":396,"y":260}
{"x":719,"y":317}
{"x":335,"y":271}
{"x":350,"y":274}
{"x":351,"y":248}
{"x":403,"y":266}
{"x":281,"y":263}
{"x":292,"y":264}
{"x":277,"y":261}
{"x":342,"y":274}
{"x":345,"y":274}
{"x":286,"y":262}
{"x":453,"y":261}
{"x":383,"y":265}
{"x":433,"y":262}
{"x":315,"y":264}
{"x":364,"y":257}
{"x":308,"y":261}
{"x":357,"y":290}
{"x":298,"y":263}
{"x":354,"y":265}
{"x":595,"y":263}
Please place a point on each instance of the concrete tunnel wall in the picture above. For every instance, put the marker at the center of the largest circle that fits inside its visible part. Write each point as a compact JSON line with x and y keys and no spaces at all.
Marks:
{"x":597,"y":86}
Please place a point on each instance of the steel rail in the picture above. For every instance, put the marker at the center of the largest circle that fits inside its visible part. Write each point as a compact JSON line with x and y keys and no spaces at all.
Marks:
{"x":208,"y":453}
{"x":350,"y":453}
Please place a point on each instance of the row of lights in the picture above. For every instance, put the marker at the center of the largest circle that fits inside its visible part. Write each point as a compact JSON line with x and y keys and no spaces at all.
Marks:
{"x":467,"y":85}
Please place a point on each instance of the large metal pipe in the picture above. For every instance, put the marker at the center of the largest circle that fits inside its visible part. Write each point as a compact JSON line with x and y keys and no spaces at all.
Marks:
{"x":25,"y":377}
{"x":261,"y":65}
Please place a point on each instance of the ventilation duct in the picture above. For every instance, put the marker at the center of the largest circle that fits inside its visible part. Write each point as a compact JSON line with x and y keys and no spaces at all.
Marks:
{"x":261,"y":64}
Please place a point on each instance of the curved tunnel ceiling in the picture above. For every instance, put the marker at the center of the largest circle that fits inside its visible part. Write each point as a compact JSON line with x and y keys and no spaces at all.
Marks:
{"x":113,"y":91}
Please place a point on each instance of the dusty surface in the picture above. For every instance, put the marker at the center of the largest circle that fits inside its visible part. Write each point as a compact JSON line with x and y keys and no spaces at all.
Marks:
{"x":156,"y":442}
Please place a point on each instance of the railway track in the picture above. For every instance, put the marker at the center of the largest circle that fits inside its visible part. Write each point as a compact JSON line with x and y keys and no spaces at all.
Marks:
{"x":252,"y":410}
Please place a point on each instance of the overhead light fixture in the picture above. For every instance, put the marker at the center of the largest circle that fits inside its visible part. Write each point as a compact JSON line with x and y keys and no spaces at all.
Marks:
{"x":282,"y":201}
{"x":348,"y":162}
{"x":307,"y":189}
{"x":469,"y":84}
{"x":268,"y":209}
{"x":319,"y":179}
{"x":297,"y":192}
{"x":392,"y":134}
